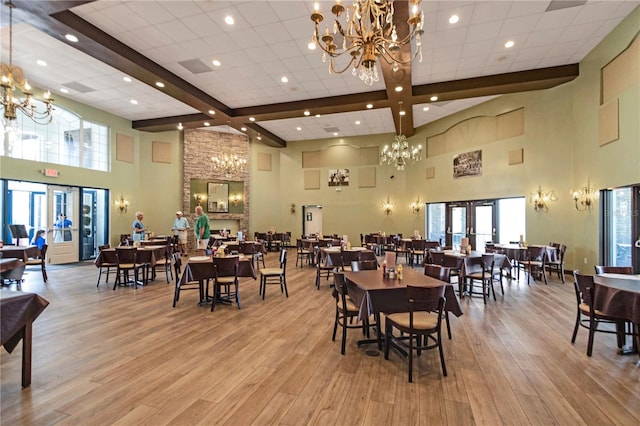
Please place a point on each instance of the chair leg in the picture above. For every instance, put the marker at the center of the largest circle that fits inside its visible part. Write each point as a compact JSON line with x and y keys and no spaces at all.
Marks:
{"x":238,"y":295}
{"x":284,"y":283}
{"x":592,"y":329}
{"x":411,"y":357}
{"x":344,"y":333}
{"x":99,"y":275}
{"x":440,"y":349}
{"x":335,"y":324}
{"x":44,"y":271}
{"x":387,"y":339}
{"x":376,"y":318}
{"x":318,"y":278}
{"x":446,"y":318}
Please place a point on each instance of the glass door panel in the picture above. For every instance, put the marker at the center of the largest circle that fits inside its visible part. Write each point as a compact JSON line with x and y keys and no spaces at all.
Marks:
{"x":63,"y":230}
{"x":484,"y":226}
{"x":436,"y":226}
{"x":619,"y":228}
{"x":457,"y":225}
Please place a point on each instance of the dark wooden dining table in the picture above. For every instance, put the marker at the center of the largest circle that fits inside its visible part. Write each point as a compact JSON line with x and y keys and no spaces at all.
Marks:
{"x":20,"y":252}
{"x":18,"y":311}
{"x":618,"y":296}
{"x":200,"y":268}
{"x":7,"y":264}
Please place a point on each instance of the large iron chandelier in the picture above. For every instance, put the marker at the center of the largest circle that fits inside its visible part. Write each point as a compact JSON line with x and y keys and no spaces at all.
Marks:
{"x":367,"y":32}
{"x":13,"y":80}
{"x":400,"y":153}
{"x":227,"y":163}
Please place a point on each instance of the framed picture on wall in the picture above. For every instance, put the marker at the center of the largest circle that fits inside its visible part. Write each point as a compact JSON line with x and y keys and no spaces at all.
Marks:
{"x":338,"y":177}
{"x":467,"y":164}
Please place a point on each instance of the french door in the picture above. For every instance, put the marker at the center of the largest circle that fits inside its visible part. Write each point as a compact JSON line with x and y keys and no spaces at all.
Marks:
{"x":620,"y":233}
{"x":475,"y":220}
{"x":62,"y":218}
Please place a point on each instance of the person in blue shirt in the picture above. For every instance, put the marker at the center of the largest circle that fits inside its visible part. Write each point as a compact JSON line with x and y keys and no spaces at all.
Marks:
{"x":39,"y":240}
{"x":62,"y":228}
{"x":138,"y":227}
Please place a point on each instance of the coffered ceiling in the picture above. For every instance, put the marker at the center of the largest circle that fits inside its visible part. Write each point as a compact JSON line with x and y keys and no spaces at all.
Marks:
{"x":176,"y":42}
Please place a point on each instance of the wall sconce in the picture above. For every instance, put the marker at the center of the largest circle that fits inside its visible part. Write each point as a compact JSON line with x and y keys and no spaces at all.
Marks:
{"x":584,"y":197}
{"x":388,"y":206}
{"x":416,"y":206}
{"x":200,"y":198}
{"x":235,"y":199}
{"x":122,"y":204}
{"x":293,"y":209}
{"x":540,"y":199}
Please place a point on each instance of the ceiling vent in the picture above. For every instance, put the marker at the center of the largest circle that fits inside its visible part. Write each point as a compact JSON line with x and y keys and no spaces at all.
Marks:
{"x":196,"y":66}
{"x":78,"y":87}
{"x":564,"y":4}
{"x":331,"y":129}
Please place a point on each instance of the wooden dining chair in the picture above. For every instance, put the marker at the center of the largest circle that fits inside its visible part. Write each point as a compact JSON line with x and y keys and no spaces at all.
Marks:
{"x":587,"y":317}
{"x":329,"y":265}
{"x":421,"y":325}
{"x":443,"y":274}
{"x":40,"y":261}
{"x":182,"y":282}
{"x":534,"y":260}
{"x":275,"y":276}
{"x":555,"y":262}
{"x":225,"y":281}
{"x":127,"y":262}
{"x":346,"y":311}
{"x":108,"y":260}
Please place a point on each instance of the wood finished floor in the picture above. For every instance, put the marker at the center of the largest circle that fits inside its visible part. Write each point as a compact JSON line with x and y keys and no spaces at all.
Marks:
{"x":127,"y":357}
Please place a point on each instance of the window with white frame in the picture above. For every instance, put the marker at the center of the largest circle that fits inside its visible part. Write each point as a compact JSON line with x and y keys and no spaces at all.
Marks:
{"x":68,"y":140}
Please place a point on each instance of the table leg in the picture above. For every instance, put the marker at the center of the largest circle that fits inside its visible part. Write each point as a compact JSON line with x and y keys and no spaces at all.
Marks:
{"x":26,"y":354}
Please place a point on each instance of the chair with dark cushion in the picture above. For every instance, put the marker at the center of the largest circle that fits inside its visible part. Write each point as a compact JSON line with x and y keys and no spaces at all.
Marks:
{"x":584,"y":288}
{"x":421,"y":325}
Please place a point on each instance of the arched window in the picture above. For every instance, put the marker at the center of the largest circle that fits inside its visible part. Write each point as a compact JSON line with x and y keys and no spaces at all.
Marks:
{"x":68,"y":140}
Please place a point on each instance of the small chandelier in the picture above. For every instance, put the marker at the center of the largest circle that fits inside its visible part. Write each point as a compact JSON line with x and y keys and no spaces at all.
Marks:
{"x":367,"y":33}
{"x":13,"y":80}
{"x":400,"y":153}
{"x":584,"y":197}
{"x":229,"y":164}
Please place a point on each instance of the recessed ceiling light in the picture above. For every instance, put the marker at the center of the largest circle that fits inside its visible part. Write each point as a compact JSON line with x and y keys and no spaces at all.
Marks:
{"x":127,"y":79}
{"x":212,"y":112}
{"x":244,"y":129}
{"x":317,"y":115}
{"x":402,"y":113}
{"x":298,"y":128}
{"x":425,"y":109}
{"x":434,"y":98}
{"x":307,"y":113}
{"x":369,"y":106}
{"x":159,"y":84}
{"x":357,"y":122}
{"x":63,"y":90}
{"x":229,"y":20}
{"x":398,"y":88}
{"x":454,"y":19}
{"x":41,"y":63}
{"x":71,"y":38}
{"x":509,"y":44}
{"x":206,"y":123}
{"x":134,"y":102}
{"x":335,"y":133}
{"x":284,"y":79}
{"x":216,"y":62}
{"x":252,"y":119}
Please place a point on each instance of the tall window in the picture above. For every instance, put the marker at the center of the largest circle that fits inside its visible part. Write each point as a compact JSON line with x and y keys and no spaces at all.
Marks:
{"x":436,"y":219}
{"x":68,"y":140}
{"x":621,"y":226}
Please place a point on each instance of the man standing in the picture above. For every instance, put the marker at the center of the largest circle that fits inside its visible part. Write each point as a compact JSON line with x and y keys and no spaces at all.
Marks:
{"x":202,"y":230}
{"x":180,"y":226}
{"x":138,"y":228}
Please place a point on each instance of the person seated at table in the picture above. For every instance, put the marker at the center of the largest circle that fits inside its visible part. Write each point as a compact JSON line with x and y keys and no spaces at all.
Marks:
{"x":39,"y":240}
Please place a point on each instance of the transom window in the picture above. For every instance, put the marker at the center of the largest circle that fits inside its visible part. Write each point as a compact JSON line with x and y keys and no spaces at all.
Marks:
{"x":68,"y":140}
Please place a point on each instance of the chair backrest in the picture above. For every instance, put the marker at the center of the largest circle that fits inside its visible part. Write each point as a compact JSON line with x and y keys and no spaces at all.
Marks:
{"x":43,"y":252}
{"x":583,"y":285}
{"x":430,"y":299}
{"x":349,"y":256}
{"x":226,"y":266}
{"x":431,"y":244}
{"x":340,"y":284}
{"x":126,"y":254}
{"x":419,"y":245}
{"x":176,"y":259}
{"x":368,"y":255}
{"x":537,"y":253}
{"x":106,"y":246}
{"x":488,"y":261}
{"x":437,"y":271}
{"x":473,"y":265}
{"x":437,"y":257}
{"x":626,"y":270}
{"x":368,"y":265}
{"x":283,"y":258}
{"x":335,"y":259}
{"x":247,"y":248}
{"x":452,"y":262}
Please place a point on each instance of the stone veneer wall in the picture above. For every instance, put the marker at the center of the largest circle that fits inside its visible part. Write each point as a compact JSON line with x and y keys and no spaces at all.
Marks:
{"x":199,"y":147}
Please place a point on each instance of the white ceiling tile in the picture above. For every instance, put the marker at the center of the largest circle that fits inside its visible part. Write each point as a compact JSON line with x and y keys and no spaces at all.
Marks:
{"x":486,"y":31}
{"x":519,"y":25}
{"x":488,"y":11}
{"x":557,"y":18}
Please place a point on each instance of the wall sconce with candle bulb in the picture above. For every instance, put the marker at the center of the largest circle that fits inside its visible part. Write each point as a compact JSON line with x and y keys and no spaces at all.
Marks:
{"x":540,"y":199}
{"x":584,"y":197}
{"x":416,"y":206}
{"x":122,"y":204}
{"x":388,"y":206}
{"x":235,"y":199}
{"x":200,"y":198}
